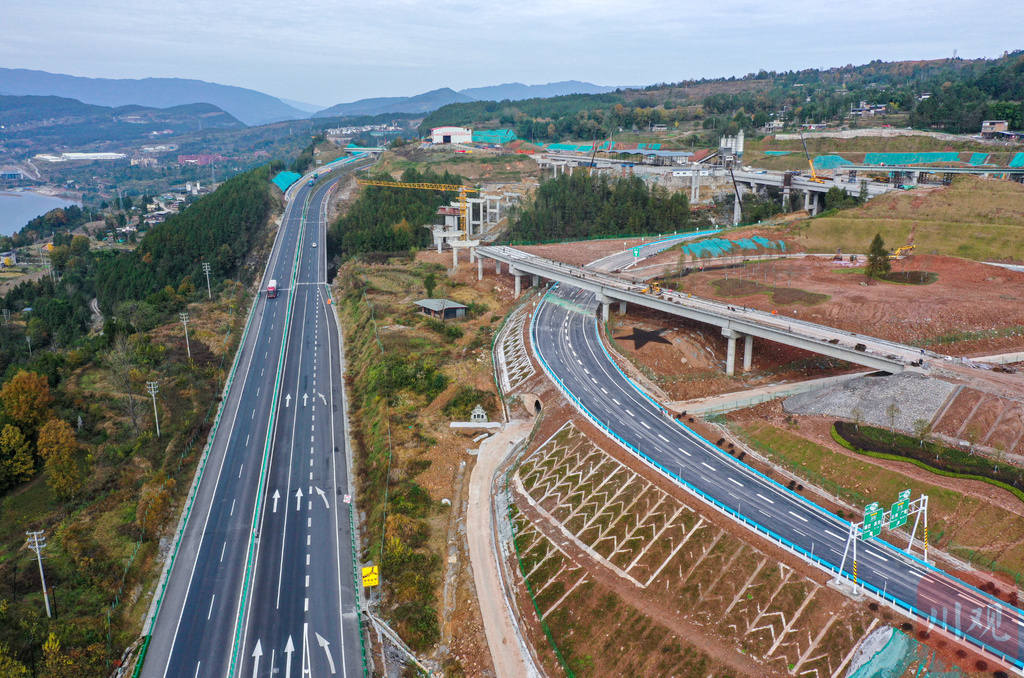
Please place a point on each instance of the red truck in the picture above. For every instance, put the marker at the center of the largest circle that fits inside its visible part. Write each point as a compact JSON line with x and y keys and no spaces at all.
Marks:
{"x":272,"y":289}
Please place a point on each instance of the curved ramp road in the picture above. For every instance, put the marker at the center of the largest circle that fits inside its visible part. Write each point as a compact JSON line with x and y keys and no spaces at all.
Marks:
{"x":263,"y":581}
{"x":565,"y":335}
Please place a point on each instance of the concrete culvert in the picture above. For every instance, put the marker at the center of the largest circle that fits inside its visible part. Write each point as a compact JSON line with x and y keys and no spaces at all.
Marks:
{"x":531,"y":402}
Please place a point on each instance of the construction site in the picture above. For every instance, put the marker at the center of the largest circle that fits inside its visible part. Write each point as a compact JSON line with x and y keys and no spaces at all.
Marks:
{"x":611,"y":568}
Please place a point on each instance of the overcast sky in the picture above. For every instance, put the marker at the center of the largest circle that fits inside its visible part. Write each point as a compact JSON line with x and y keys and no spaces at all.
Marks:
{"x":329,"y":51}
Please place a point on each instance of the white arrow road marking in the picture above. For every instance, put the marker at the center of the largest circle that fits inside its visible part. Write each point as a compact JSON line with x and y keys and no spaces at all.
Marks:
{"x":298,"y":499}
{"x":256,"y":654}
{"x":323,"y":398}
{"x":288,"y":649}
{"x":327,"y":649}
{"x":288,"y":400}
{"x":323,"y":496}
{"x":305,"y":399}
{"x":277,"y":495}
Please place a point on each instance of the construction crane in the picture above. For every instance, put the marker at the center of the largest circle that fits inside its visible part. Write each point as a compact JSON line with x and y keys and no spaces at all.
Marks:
{"x":814,"y":175}
{"x":463,"y":190}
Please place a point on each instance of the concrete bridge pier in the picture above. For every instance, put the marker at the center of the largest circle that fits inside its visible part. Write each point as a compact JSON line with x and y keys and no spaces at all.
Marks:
{"x":479,"y":268}
{"x":786,"y":198}
{"x":622,"y":308}
{"x":497,"y":266}
{"x":730,"y":351}
{"x":519,"y":280}
{"x":748,"y":351}
{"x":811,"y":202}
{"x":535,"y":281}
{"x":606,"y":303}
{"x":737,"y":207}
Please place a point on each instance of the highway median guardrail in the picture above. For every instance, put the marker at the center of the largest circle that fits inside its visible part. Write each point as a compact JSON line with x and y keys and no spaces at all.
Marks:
{"x":757,"y":527}
{"x":264,"y":463}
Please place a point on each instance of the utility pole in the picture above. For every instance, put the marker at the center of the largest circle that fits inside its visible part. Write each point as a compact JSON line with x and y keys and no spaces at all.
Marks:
{"x":7,"y":316}
{"x":28,"y":339}
{"x":37,"y":542}
{"x":206,"y":270}
{"x":184,"y":321}
{"x":153,"y":387}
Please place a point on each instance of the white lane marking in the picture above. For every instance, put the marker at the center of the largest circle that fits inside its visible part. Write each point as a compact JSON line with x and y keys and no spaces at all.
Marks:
{"x":707,"y":465}
{"x":733,"y":480}
{"x":223,"y":546}
{"x":307,"y":559}
{"x":663,"y":437}
{"x":197,"y":669}
{"x":616,"y":401}
{"x":604,"y":391}
{"x":253,"y":415}
{"x":629,"y":413}
{"x":210,"y":611}
{"x":307,"y":539}
{"x":307,"y":581}
{"x":247,"y":439}
{"x":832,"y":534}
{"x":875,"y":555}
{"x":685,"y":452}
{"x":309,"y":521}
{"x":258,"y":389}
{"x":645,"y":425}
{"x":232,"y":508}
{"x":799,"y":517}
{"x":586,"y":370}
{"x":240,"y":470}
{"x":305,"y":606}
{"x":769,"y":500}
{"x":261,"y":371}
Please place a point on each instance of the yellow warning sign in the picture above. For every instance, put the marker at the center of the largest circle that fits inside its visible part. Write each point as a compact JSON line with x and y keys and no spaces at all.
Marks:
{"x":371,"y":576}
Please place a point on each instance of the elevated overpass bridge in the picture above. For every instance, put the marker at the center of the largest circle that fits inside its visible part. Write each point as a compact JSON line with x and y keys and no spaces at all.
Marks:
{"x":735,"y":321}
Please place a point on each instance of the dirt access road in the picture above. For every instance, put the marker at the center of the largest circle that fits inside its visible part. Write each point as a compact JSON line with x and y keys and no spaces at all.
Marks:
{"x":508,"y":652}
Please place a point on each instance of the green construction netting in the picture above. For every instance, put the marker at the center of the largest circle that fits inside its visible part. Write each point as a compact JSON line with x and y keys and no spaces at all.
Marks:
{"x":830,"y":161}
{"x":777,"y":152}
{"x":919,"y":158}
{"x":494,"y":136}
{"x":285,"y":179}
{"x":978,"y":158}
{"x":1018,"y":160}
{"x":718,"y":247}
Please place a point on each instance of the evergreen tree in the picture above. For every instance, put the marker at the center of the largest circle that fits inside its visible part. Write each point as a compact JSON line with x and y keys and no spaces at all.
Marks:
{"x":878,"y":258}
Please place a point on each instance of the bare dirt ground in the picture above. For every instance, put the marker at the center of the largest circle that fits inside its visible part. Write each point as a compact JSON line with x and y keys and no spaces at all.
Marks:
{"x":968,"y":297}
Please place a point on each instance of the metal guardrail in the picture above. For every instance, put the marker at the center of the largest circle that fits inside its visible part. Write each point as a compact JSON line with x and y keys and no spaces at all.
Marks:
{"x":757,"y":527}
{"x":264,"y":463}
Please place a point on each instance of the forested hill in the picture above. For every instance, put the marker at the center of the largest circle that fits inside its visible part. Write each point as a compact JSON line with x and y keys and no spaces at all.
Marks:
{"x":948,"y":94}
{"x":390,"y":219}
{"x":220,"y":228}
{"x":154,"y":281}
{"x":579,"y":205}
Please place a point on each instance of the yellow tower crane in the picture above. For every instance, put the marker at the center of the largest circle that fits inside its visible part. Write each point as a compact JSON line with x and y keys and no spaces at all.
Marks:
{"x":463,"y":190}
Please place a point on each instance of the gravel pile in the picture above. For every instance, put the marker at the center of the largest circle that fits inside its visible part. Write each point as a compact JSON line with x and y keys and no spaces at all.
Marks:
{"x":915,"y":396}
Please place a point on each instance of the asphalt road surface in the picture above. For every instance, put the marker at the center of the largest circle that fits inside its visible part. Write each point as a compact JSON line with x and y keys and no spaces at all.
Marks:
{"x":565,"y":334}
{"x":271,"y":593}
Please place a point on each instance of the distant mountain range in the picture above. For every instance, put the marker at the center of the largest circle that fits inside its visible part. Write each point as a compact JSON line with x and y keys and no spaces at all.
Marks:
{"x":34,"y":124}
{"x":256,"y":108}
{"x":515,"y":91}
{"x":434,"y":99}
{"x":421,"y":103}
{"x":247,"y":105}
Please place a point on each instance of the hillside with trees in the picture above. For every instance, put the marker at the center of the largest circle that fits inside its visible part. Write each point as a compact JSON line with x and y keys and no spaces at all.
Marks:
{"x":953,"y":95}
{"x":578,"y":205}
{"x":78,"y":453}
{"x":387,"y":219}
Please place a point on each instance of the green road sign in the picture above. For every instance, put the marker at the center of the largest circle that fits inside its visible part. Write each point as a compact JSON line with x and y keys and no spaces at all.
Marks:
{"x":636,"y":251}
{"x":873,"y":520}
{"x":900,"y":510}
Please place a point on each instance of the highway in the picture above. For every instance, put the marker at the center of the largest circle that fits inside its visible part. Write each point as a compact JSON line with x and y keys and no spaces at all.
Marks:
{"x":262,"y":582}
{"x":565,"y":335}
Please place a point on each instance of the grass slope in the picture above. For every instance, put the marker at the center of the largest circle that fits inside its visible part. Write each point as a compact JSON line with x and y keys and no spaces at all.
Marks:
{"x":973,"y":218}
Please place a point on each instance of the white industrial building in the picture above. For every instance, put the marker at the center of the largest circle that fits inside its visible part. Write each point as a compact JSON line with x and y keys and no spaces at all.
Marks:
{"x":451,"y":135}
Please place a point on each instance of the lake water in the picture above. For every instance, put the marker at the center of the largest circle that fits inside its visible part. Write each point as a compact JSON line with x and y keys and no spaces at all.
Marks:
{"x":19,"y":208}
